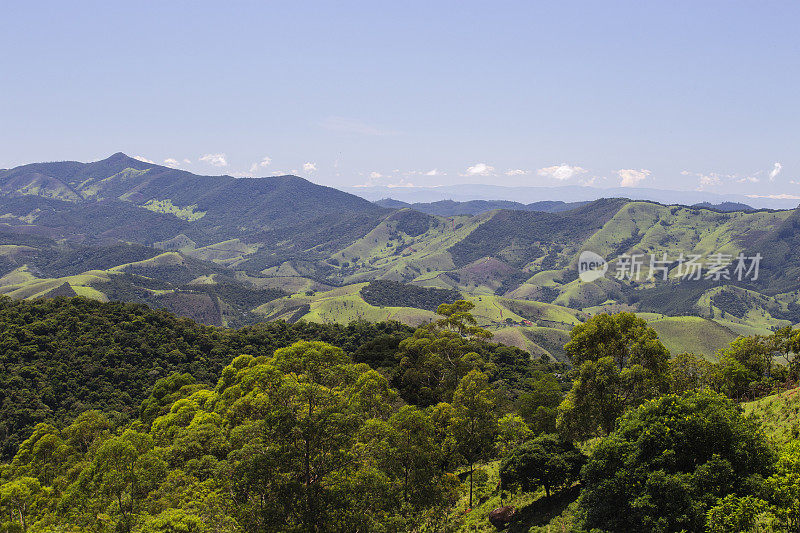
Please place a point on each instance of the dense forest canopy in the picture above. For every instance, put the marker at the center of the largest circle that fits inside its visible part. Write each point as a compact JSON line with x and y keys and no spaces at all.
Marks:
{"x":119,"y":417}
{"x":60,"y":357}
{"x":384,"y":293}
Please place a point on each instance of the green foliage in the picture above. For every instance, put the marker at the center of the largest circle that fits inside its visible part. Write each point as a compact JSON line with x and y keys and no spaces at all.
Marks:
{"x":61,"y":357}
{"x":431,"y":363}
{"x":547,"y":461}
{"x":474,"y":424}
{"x":304,"y":440}
{"x":18,"y":496}
{"x":457,"y":318}
{"x":744,"y":365}
{"x":784,"y":485}
{"x":733,"y":514}
{"x":538,"y":406}
{"x":512,"y":430}
{"x":175,"y":521}
{"x":619,"y":362}
{"x":660,"y":471}
{"x":386,"y":293}
{"x":689,"y":372}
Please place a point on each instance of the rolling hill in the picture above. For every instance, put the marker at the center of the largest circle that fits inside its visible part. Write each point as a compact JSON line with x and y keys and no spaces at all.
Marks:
{"x":231,"y":251}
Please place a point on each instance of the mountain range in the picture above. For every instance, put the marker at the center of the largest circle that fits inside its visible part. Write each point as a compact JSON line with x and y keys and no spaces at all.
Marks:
{"x":566,"y":193}
{"x":449,"y":208}
{"x":231,"y":251}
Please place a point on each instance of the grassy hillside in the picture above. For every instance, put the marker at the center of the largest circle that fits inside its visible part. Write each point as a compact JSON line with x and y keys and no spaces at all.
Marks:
{"x":779,"y":415}
{"x":692,"y":334}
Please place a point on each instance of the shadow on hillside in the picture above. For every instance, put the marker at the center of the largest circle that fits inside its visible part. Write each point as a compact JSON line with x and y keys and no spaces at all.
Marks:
{"x":542,"y":511}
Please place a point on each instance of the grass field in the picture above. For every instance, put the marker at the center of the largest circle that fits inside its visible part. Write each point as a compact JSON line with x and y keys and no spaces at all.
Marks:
{"x":21,"y":284}
{"x":692,"y":334}
{"x":779,"y":415}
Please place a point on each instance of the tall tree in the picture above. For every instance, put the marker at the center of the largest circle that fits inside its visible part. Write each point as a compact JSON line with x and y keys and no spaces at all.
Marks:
{"x":18,"y":495}
{"x":619,"y":362}
{"x":474,"y":424}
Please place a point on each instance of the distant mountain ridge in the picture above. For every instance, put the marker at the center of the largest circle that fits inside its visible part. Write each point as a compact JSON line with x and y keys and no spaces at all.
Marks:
{"x":725,"y":206}
{"x":449,"y":208}
{"x":566,"y":193}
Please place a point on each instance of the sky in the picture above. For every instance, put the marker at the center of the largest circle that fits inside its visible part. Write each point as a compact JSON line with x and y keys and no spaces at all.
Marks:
{"x":681,"y":95}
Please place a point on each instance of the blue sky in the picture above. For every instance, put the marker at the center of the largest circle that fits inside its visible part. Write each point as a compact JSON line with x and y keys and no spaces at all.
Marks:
{"x":674,"y":95}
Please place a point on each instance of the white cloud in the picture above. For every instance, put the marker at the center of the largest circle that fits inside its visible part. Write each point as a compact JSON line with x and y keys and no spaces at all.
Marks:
{"x":709,"y":180}
{"x":308,"y":168}
{"x":776,"y":169}
{"x":775,"y":196}
{"x":588,"y":181}
{"x":561,"y":172}
{"x":375,"y":175}
{"x":170,"y":162}
{"x":712,"y":179}
{"x":261,"y":164}
{"x":187,"y":161}
{"x":144,"y":159}
{"x":629,"y":177}
{"x":480,"y":169}
{"x":351,"y":125}
{"x":217,"y":160}
{"x":434,"y":172}
{"x":515,"y":172}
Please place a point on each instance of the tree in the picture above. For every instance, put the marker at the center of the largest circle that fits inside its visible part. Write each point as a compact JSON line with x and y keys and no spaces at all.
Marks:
{"x":785,"y":484}
{"x":786,"y":343}
{"x":688,"y":372}
{"x":539,"y":405}
{"x":303,"y":447}
{"x":731,"y":377}
{"x":511,"y":432}
{"x":175,"y":521}
{"x":474,"y":425}
{"x":744,"y":363}
{"x":457,"y":317}
{"x":431,"y":363}
{"x":405,"y":447}
{"x":122,"y":474}
{"x":624,"y":337}
{"x":85,"y":429}
{"x":18,"y":495}
{"x":733,"y":514}
{"x":669,"y":461}
{"x":619,"y":362}
{"x":547,"y":461}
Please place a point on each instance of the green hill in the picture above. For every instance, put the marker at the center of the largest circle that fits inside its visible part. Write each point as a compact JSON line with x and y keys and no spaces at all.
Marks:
{"x":692,"y":334}
{"x":779,"y":415}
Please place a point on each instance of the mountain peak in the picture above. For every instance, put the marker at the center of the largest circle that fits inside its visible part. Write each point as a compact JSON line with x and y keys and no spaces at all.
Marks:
{"x":119,"y":156}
